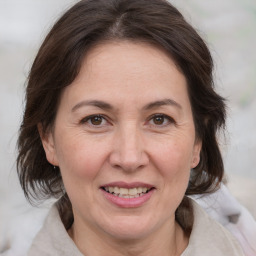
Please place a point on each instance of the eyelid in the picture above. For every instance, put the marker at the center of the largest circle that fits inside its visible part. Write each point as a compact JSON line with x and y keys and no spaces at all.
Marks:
{"x":87,"y":118}
{"x":170,"y":119}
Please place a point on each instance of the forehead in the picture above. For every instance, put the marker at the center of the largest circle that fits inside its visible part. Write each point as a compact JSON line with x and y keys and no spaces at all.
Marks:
{"x":133,"y":55}
{"x":127,"y":70}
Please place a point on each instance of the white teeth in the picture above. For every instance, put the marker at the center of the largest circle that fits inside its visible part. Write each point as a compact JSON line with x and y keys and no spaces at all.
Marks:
{"x":123,"y":191}
{"x":133,"y":191}
{"x":127,"y":193}
{"x":116,"y":190}
{"x":139,"y":190}
{"x":144,"y":190}
{"x":111,"y":189}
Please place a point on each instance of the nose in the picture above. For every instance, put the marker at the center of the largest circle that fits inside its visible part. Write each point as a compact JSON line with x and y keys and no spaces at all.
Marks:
{"x":128,"y":152}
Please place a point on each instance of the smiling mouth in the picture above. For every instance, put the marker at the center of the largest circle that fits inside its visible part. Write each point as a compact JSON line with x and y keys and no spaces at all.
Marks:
{"x":127,"y":192}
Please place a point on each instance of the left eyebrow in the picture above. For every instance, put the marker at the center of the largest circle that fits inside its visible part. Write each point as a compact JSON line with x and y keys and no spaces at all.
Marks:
{"x":160,"y":103}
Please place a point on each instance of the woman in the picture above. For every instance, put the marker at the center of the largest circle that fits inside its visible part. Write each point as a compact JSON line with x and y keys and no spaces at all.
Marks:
{"x":120,"y":107}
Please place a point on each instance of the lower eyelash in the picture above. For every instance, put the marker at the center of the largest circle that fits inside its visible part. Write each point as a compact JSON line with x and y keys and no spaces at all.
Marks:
{"x":86,"y":119}
{"x":171,"y":120}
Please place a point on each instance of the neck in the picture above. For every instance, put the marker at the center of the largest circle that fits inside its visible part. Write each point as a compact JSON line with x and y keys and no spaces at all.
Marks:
{"x":170,"y":240}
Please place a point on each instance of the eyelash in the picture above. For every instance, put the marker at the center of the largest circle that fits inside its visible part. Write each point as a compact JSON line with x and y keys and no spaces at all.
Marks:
{"x":167,"y":120}
{"x":88,"y":120}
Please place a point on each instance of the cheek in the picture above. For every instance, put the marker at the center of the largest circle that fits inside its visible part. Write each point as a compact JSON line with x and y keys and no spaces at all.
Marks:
{"x":173,"y":164}
{"x":80,"y":158}
{"x":173,"y":159}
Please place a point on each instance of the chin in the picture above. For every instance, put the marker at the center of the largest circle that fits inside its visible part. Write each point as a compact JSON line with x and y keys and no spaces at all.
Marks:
{"x":129,"y":228}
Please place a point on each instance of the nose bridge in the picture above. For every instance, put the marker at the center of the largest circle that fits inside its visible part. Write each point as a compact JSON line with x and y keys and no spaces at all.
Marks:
{"x":130,"y":148}
{"x":128,"y":152}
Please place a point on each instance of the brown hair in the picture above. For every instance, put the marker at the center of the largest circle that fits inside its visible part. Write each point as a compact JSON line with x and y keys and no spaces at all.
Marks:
{"x":58,"y":62}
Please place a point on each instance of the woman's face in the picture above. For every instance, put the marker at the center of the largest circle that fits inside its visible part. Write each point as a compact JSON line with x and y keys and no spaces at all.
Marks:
{"x":124,"y":140}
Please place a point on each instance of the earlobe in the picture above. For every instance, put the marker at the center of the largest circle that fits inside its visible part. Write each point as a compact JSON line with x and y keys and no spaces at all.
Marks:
{"x":196,"y":154}
{"x":195,"y":161}
{"x":48,"y":145}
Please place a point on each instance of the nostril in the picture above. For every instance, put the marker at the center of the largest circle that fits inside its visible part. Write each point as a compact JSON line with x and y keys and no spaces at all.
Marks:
{"x":128,"y":162}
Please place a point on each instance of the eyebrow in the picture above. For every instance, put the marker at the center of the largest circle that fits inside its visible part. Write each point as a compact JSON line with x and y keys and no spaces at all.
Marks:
{"x":96,"y":103}
{"x":160,"y":103}
{"x":106,"y":106}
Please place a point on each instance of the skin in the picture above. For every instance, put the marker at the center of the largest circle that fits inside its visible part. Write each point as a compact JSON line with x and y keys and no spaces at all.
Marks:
{"x":127,"y":143}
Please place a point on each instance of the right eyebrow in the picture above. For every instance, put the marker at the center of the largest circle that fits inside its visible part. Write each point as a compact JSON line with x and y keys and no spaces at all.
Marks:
{"x":96,"y":103}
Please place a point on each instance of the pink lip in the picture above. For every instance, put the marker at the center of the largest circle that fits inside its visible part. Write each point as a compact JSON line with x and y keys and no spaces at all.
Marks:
{"x":128,"y":202}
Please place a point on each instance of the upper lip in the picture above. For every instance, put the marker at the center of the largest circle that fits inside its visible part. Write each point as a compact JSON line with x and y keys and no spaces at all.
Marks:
{"x":122,"y":184}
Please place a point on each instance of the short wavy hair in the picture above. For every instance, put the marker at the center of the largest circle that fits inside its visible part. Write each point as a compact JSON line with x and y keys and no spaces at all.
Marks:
{"x":88,"y":23}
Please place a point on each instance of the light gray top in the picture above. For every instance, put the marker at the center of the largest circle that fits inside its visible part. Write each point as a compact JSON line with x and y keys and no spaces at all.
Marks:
{"x":208,"y":238}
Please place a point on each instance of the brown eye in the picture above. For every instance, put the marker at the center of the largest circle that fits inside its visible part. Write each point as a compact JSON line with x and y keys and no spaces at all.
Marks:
{"x":158,"y":120}
{"x":96,"y":120}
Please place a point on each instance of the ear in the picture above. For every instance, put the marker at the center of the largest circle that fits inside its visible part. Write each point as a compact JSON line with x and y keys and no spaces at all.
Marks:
{"x":47,"y":139}
{"x":196,"y":153}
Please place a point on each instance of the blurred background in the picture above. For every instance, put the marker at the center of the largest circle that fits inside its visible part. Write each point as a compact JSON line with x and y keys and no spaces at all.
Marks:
{"x":229,"y":28}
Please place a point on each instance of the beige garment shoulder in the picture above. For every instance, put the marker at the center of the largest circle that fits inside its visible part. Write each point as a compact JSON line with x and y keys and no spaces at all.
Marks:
{"x":208,"y":238}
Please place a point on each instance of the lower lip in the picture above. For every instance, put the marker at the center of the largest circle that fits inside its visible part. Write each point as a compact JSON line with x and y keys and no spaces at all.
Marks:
{"x":128,"y":202}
